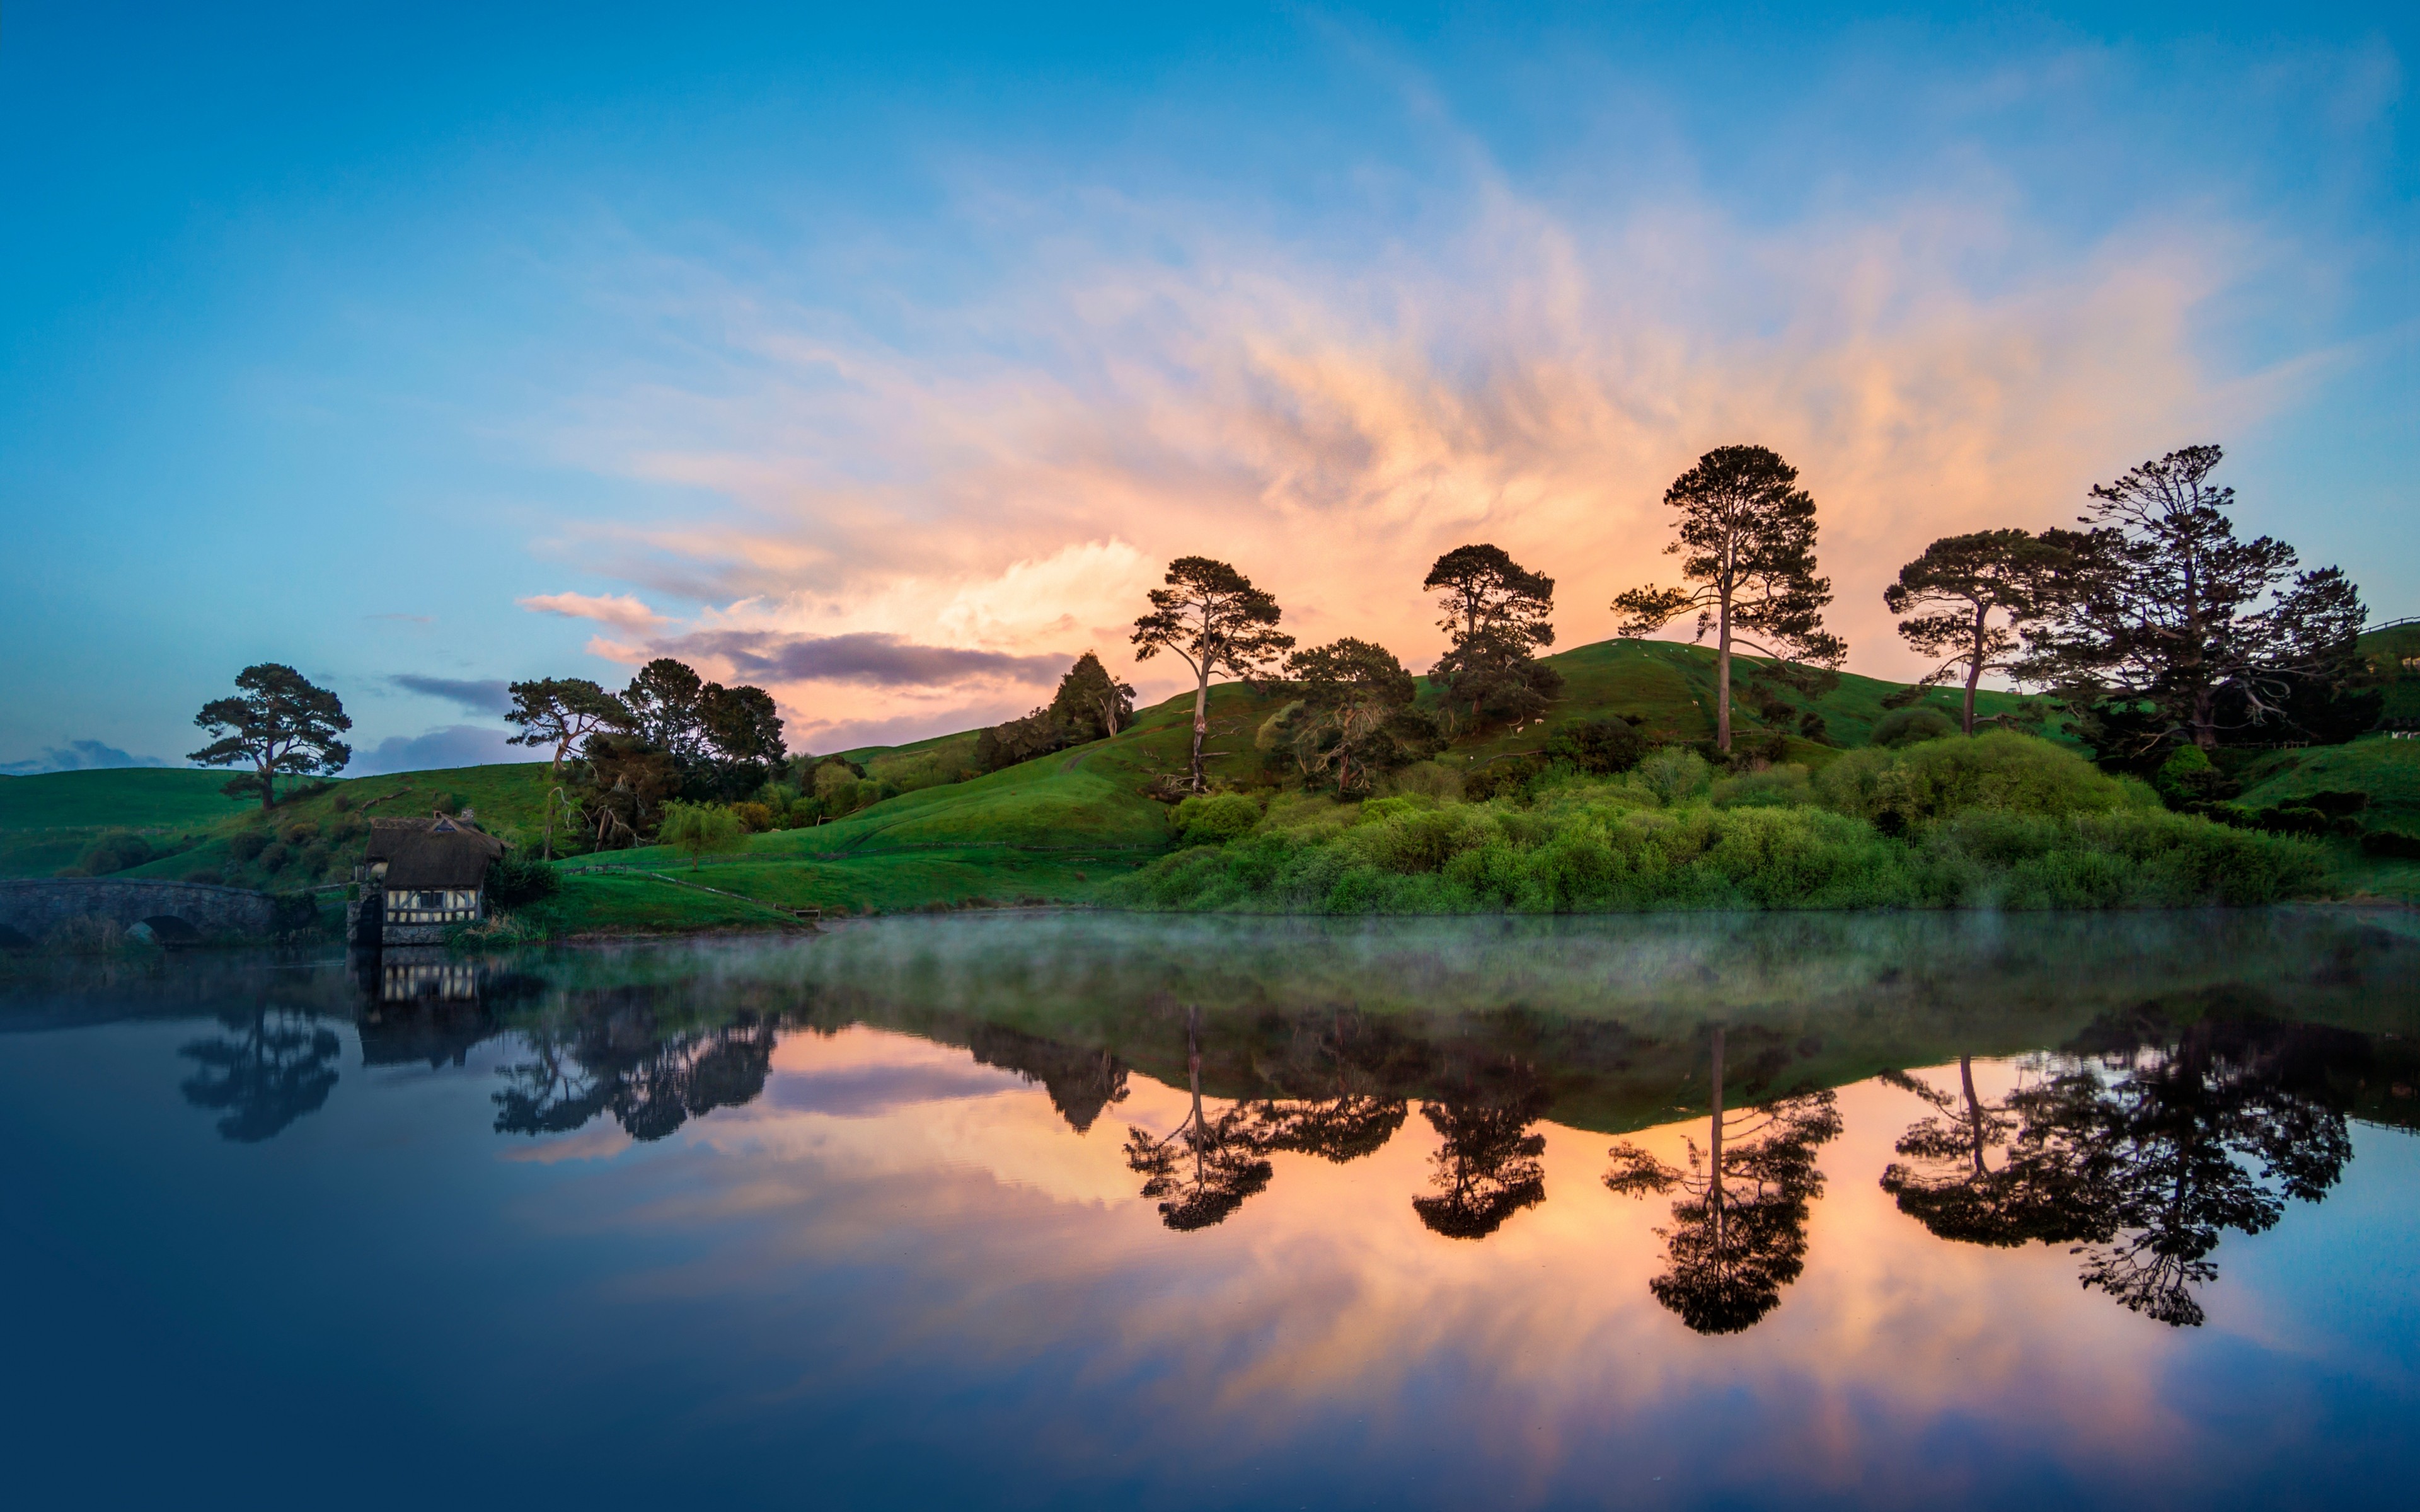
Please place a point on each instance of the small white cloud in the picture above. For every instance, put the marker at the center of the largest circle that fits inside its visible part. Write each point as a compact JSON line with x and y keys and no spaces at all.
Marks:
{"x":621,"y":610}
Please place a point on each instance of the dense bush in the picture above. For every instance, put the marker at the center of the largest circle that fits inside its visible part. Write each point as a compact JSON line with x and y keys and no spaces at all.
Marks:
{"x":1599,"y":746}
{"x":1908,"y":727}
{"x":1999,"y":822}
{"x":247,"y":844}
{"x":2393,"y":844}
{"x":113,"y":852}
{"x":518,"y":878}
{"x":1212,"y":818}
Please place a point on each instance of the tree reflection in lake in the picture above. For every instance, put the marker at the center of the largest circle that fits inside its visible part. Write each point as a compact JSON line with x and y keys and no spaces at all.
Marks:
{"x":1206,"y":1166}
{"x":1739,"y":1231}
{"x":275,"y":1066}
{"x":1488,"y":1166}
{"x":1355,"y":1065}
{"x":1967,"y":1184}
{"x":1081,"y":1082}
{"x":2157,"y":1140}
{"x":651,"y":1083}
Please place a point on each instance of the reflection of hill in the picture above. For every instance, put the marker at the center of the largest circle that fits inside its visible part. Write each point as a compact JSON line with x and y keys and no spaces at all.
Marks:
{"x":1080,"y":1082}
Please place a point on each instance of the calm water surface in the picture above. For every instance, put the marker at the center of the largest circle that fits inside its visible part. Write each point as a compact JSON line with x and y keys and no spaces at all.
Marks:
{"x":1076,"y":1210}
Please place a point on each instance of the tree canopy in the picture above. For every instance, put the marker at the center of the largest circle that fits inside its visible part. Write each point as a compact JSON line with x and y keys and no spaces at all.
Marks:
{"x":1211,"y":618}
{"x":1354,"y":719}
{"x":1746,"y":538}
{"x":1497,"y":614}
{"x":2169,"y":629}
{"x":279,"y":722}
{"x":562,"y":711}
{"x":1952,"y":592}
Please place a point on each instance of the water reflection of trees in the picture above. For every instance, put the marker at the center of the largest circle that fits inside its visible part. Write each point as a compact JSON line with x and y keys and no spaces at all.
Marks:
{"x":2157,"y":1140}
{"x":1487,"y":1165}
{"x":1081,"y":1082}
{"x":1204,"y":1169}
{"x":1739,"y":1230}
{"x":649,"y":1081}
{"x":273,"y":1066}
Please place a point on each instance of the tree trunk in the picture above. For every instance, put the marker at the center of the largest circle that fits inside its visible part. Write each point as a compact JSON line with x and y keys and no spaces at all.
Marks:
{"x":1723,"y":679}
{"x":1201,"y":719}
{"x":1714,"y":1190}
{"x":2204,"y":719}
{"x":1973,"y":1110}
{"x":1975,"y":666}
{"x":267,"y":785}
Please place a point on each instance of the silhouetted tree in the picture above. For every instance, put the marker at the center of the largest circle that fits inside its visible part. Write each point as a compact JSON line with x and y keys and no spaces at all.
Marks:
{"x":2185,"y":1135}
{"x":1952,"y":593}
{"x":280,"y":723}
{"x":1497,"y":615}
{"x":651,"y":1083}
{"x":1080,"y":1082}
{"x":1966,"y":1183}
{"x":743,"y":736}
{"x":562,"y":711}
{"x":1204,"y":1168}
{"x":1748,"y":533}
{"x":2169,"y":627}
{"x":1091,"y":703}
{"x":1356,"y":698}
{"x":1213,"y":619}
{"x":666,"y":703}
{"x":1739,"y":1230}
{"x":277,"y":1067}
{"x":1488,"y":1168}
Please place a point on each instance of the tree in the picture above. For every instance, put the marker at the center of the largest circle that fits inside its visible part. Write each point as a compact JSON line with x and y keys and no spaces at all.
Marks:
{"x":666,"y":705}
{"x":1214,"y":619}
{"x":2167,"y":627}
{"x":1954,"y":589}
{"x":1951,"y":1185}
{"x":562,"y":711}
{"x":1486,"y":1167}
{"x":1739,"y":1231}
{"x":624,"y":783}
{"x":742,"y":736}
{"x":280,"y":723}
{"x":1748,"y":531}
{"x":701,"y":829}
{"x":2212,"y":1126}
{"x":279,"y":1065}
{"x":1205,"y":1167}
{"x":1496,"y":612}
{"x":1091,"y":703}
{"x":1356,"y":694}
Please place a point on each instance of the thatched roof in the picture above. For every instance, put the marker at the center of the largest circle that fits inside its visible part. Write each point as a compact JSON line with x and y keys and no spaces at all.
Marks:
{"x":432,"y":853}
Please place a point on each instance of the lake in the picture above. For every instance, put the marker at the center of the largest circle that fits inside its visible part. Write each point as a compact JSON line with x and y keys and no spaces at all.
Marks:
{"x":1080,"y":1210}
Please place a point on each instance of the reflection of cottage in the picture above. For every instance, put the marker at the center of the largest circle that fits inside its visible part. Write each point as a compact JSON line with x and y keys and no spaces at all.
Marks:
{"x":419,"y":877}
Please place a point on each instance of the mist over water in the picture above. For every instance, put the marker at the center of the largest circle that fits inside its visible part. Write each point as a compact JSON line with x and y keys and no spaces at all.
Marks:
{"x":1065,"y":1209}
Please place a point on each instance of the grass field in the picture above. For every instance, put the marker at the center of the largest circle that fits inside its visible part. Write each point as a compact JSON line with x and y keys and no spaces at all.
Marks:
{"x":1055,"y":829}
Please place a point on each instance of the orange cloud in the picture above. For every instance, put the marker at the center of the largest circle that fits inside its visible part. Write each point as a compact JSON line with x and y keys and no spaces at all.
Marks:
{"x":621,"y":610}
{"x":1531,"y":379}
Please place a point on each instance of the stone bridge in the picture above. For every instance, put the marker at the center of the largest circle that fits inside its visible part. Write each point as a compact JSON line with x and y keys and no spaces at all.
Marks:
{"x":30,"y":910}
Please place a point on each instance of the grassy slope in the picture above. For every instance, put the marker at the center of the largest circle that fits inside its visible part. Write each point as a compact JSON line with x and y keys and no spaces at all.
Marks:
{"x":1051,"y":830}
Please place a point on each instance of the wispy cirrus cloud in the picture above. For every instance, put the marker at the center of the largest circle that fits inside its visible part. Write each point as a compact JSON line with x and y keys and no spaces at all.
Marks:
{"x":867,"y":659}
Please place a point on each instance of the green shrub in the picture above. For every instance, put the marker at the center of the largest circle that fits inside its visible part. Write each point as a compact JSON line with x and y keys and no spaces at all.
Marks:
{"x":1675,"y":773}
{"x":701,"y":829}
{"x":517,"y":877}
{"x":113,"y":852}
{"x":1505,"y":778}
{"x":1776,"y":786}
{"x":247,"y":844}
{"x":1909,"y":726}
{"x":2392,"y":843}
{"x":2187,"y":781}
{"x":1598,"y":747}
{"x":1214,"y":818}
{"x":1920,"y":784}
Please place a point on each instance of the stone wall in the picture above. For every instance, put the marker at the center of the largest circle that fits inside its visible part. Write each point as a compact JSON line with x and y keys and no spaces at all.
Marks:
{"x":32,"y":909}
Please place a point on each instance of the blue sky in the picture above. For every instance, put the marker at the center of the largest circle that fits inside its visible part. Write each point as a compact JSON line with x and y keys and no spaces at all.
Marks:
{"x":882,"y":357}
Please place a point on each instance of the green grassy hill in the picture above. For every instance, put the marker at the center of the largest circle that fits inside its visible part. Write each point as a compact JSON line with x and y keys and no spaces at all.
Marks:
{"x":1053,"y":830}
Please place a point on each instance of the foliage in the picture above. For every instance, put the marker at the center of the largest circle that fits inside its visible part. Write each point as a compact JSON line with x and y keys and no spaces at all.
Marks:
{"x":562,"y":711}
{"x":2169,"y":629}
{"x":1601,"y":747}
{"x":1909,"y":726}
{"x":624,"y":783}
{"x":698,"y":830}
{"x":1497,"y":614}
{"x":1354,"y":719}
{"x":1213,"y":818}
{"x":1952,"y":591}
{"x":1211,"y":619}
{"x":516,"y":877}
{"x":1673,"y":775}
{"x":1748,"y":533}
{"x":280,"y":723}
{"x":113,"y":852}
{"x":1924,"y":783}
{"x":1091,"y":702}
{"x":2189,"y":782}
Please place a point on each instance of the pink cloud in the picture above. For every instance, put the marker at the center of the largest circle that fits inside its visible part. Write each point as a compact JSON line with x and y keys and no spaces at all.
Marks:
{"x":621,"y":610}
